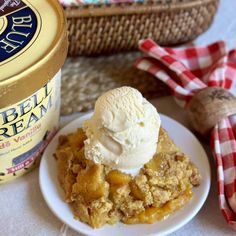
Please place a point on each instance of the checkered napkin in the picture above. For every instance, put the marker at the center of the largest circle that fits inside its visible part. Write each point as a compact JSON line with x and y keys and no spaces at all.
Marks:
{"x":94,"y":2}
{"x":187,"y":71}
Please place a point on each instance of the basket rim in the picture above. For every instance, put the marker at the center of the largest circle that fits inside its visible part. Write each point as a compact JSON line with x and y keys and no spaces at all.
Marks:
{"x":131,"y":8}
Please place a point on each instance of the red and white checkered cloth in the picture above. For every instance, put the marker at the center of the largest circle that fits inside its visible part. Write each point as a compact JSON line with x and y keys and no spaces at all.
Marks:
{"x":187,"y":71}
{"x":95,"y":2}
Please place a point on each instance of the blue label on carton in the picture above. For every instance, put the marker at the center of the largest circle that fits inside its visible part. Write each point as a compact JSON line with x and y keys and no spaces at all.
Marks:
{"x":20,"y":27}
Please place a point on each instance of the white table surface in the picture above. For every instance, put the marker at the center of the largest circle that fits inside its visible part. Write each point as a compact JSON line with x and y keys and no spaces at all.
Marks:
{"x":24,"y":211}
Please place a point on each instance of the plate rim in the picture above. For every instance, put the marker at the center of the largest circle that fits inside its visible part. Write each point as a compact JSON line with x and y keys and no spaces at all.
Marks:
{"x":167,"y":231}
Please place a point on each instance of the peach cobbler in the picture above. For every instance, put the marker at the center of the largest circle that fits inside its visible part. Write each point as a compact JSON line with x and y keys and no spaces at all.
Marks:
{"x":122,"y":166}
{"x":100,"y":195}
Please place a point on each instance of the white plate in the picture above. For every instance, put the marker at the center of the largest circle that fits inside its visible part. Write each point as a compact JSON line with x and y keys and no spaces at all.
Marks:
{"x":54,"y":195}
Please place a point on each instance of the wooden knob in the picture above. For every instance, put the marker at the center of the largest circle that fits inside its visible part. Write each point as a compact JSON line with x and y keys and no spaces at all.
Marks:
{"x":208,"y":107}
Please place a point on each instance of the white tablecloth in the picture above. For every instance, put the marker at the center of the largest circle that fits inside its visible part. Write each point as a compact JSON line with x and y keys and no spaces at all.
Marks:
{"x":24,"y":211}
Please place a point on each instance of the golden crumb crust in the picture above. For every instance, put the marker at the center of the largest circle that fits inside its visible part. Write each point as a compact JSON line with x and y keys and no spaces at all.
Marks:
{"x":99,"y":195}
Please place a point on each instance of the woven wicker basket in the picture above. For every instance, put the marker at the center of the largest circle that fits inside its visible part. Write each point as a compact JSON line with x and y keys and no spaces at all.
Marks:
{"x":112,"y":28}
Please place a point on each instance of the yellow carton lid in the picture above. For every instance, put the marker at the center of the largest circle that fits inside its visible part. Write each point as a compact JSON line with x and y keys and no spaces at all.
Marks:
{"x":33,"y":46}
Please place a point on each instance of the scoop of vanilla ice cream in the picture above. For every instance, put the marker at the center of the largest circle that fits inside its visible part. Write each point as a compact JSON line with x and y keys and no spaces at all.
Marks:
{"x":123,"y":131}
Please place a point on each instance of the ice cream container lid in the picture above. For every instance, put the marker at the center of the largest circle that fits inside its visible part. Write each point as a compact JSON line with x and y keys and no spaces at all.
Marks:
{"x":33,"y":46}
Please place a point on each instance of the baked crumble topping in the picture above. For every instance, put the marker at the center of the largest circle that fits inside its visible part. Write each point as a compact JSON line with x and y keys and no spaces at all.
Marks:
{"x":99,"y":195}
